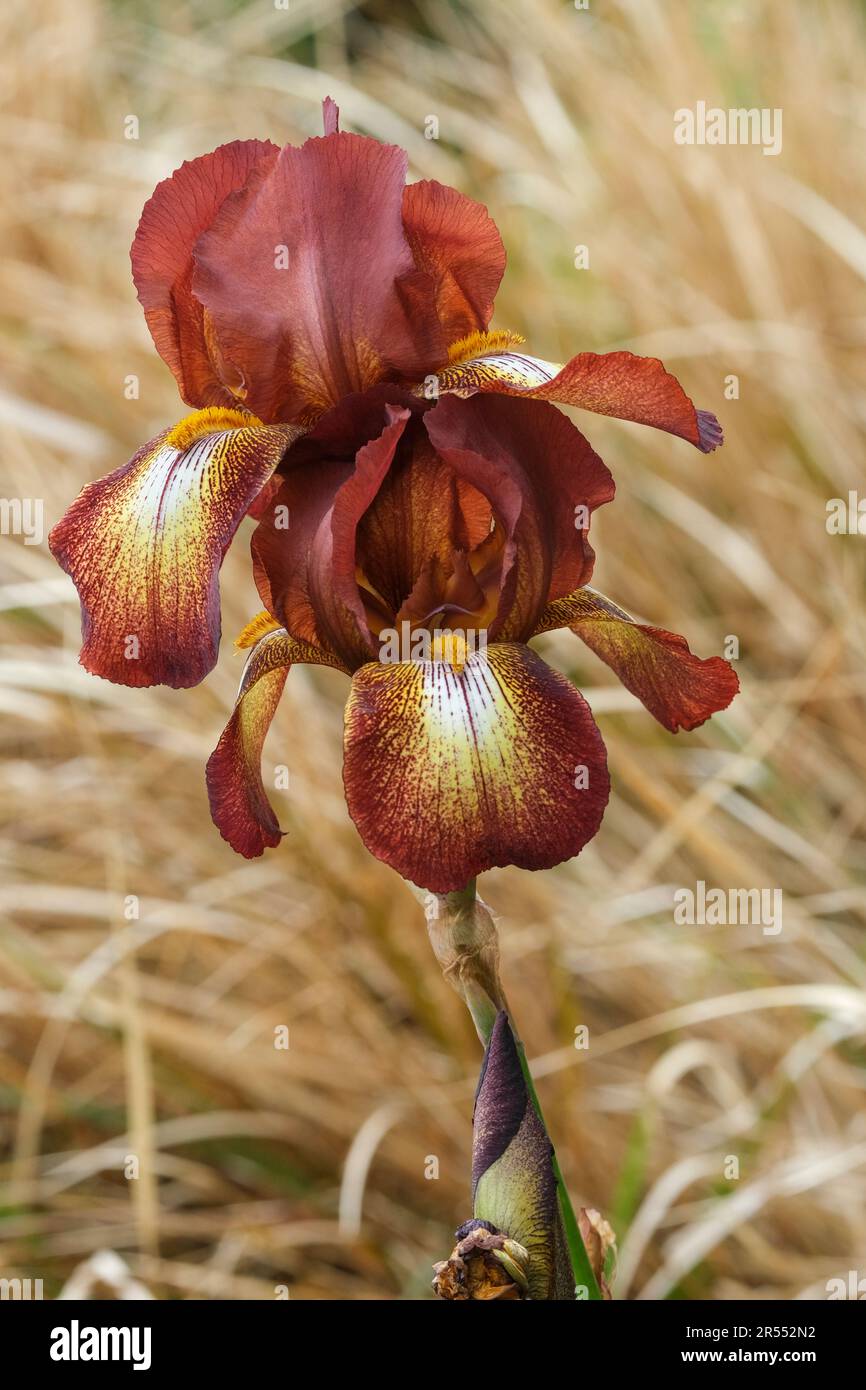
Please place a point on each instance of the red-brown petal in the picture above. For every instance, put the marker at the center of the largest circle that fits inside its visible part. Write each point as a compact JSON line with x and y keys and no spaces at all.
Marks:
{"x":456,"y":242}
{"x":282,"y":545}
{"x":421,"y":513}
{"x":330,"y":116}
{"x":543,"y":481}
{"x":679,"y":689}
{"x":611,"y":383}
{"x":144,"y":546}
{"x":450,"y":773}
{"x":310,"y":280}
{"x":180,"y":209}
{"x":239,"y":805}
{"x":306,"y":572}
{"x":333,"y":571}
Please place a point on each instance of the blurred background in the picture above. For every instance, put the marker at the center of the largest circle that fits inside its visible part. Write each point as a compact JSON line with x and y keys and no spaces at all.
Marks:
{"x":718,"y":1117}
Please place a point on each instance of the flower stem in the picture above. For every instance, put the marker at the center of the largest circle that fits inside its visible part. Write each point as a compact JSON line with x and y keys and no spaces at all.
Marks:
{"x":464,"y":941}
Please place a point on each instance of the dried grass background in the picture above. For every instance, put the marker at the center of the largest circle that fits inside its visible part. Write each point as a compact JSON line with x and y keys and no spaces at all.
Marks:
{"x":154,"y":1039}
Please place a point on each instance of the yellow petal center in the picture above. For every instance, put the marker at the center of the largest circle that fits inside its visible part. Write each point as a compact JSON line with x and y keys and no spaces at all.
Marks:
{"x":450,"y":647}
{"x":261,"y":624}
{"x":212,"y":420}
{"x":482,"y":344}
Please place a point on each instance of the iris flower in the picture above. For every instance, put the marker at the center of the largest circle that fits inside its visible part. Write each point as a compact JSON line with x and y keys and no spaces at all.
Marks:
{"x":329,"y":325}
{"x":452,"y":522}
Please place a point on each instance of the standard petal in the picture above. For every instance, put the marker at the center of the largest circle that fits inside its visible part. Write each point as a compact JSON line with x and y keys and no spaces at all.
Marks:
{"x":543,"y":481}
{"x":304,"y":549}
{"x":333,"y":581}
{"x":422,"y":511}
{"x":681,"y":690}
{"x":456,"y":242}
{"x":330,"y":116}
{"x":310,"y":281}
{"x":451,"y":772}
{"x":238,"y":803}
{"x":283,"y":540}
{"x":611,"y":383}
{"x":180,"y":209}
{"x":144,"y":546}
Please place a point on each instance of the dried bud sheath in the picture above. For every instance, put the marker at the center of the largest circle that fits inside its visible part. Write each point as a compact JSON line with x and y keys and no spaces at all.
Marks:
{"x":463,"y":936}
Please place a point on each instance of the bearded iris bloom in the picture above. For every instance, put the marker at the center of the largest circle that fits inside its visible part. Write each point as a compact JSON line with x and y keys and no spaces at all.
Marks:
{"x":451,"y":519}
{"x":329,"y":326}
